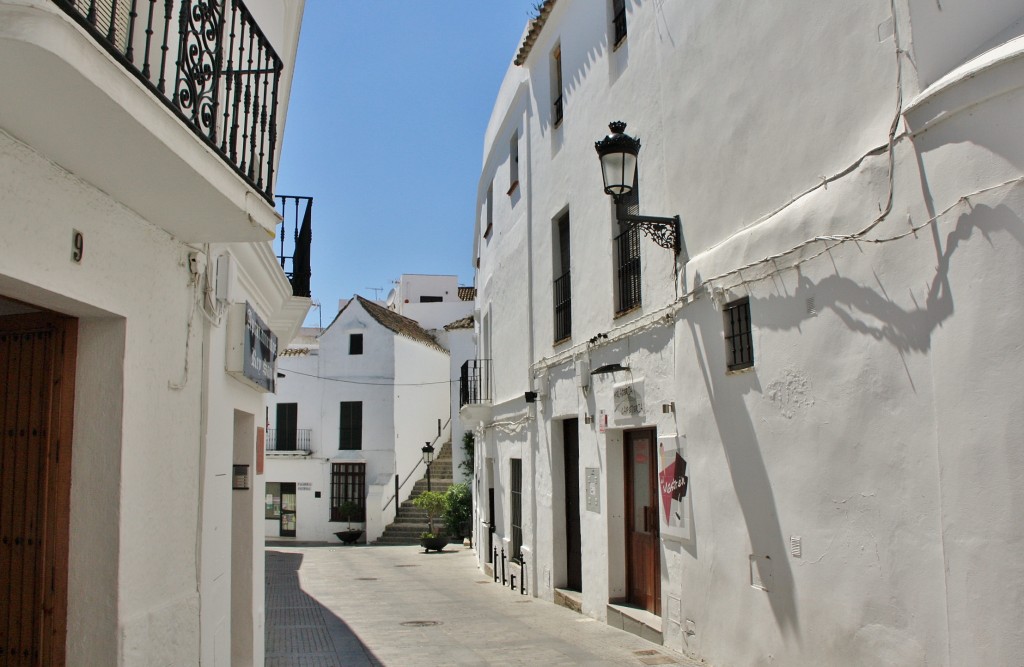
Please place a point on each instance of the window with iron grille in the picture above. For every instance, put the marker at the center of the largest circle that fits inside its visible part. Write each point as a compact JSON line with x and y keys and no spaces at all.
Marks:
{"x":619,"y":20}
{"x":350,"y":430}
{"x":627,"y":253}
{"x":562,"y":287}
{"x":489,"y":204}
{"x":355,"y":343}
{"x":348,"y":485}
{"x":739,"y":339}
{"x":516,"y":468}
{"x":556,"y":87}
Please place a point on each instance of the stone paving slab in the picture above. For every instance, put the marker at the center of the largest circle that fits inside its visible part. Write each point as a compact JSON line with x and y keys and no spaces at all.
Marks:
{"x":395,"y":606}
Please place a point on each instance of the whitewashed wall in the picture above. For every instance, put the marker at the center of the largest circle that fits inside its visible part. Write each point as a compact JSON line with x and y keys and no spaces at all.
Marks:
{"x":876,"y":427}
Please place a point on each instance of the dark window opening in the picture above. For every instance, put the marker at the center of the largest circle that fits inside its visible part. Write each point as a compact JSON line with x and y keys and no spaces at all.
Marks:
{"x":350,"y":431}
{"x":516,"y":466}
{"x":355,"y":343}
{"x":286,"y":433}
{"x":562,"y":286}
{"x":619,"y":20}
{"x":348,"y":485}
{"x":556,"y":68}
{"x":627,"y":253}
{"x":431,"y":299}
{"x":739,"y":339}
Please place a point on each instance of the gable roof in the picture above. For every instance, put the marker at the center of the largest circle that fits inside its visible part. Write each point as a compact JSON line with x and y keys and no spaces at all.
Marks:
{"x":401,"y":325}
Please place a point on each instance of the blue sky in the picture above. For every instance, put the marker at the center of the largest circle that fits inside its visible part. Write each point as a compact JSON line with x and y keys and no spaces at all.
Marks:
{"x":385,"y":131}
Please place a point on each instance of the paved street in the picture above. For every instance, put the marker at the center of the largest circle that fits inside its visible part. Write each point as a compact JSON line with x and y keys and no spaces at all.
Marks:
{"x":329,"y":606}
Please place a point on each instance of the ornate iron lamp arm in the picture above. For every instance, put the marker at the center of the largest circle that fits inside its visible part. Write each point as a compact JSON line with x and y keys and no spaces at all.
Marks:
{"x":663,"y":231}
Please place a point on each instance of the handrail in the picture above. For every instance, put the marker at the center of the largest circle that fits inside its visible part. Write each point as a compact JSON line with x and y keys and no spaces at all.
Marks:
{"x":416,"y":467}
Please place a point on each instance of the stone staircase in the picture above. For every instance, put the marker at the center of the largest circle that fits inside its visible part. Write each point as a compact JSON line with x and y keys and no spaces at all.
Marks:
{"x":411,"y":520}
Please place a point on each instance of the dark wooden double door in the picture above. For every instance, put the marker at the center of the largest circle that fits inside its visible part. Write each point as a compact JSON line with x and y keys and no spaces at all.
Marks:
{"x":37,"y":366}
{"x":643,"y":560}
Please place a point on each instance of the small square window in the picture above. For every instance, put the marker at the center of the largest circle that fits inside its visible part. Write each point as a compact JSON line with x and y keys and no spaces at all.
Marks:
{"x":739,"y":339}
{"x":355,"y":343}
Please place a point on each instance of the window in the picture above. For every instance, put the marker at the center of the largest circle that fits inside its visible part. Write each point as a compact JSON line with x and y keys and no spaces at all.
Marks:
{"x":513,"y":162}
{"x":618,"y":21}
{"x":284,"y":436}
{"x":562,"y":287}
{"x":739,"y":340}
{"x":556,"y":84}
{"x":350,"y":431}
{"x":516,"y":468}
{"x":489,"y":211}
{"x":431,"y":299}
{"x":627,"y":253}
{"x":355,"y":343}
{"x":348,"y":485}
{"x":273,"y":502}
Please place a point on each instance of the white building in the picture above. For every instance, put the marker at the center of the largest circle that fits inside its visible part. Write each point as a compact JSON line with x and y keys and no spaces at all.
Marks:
{"x":140,"y":309}
{"x":353,"y":411}
{"x":795,"y":441}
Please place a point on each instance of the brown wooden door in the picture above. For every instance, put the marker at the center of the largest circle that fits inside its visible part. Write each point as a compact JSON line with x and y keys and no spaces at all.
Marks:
{"x":37,"y":361}
{"x":643,"y":562}
{"x":573,"y":534}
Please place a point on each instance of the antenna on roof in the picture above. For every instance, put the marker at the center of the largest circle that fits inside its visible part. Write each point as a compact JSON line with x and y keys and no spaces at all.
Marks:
{"x":376,"y":292}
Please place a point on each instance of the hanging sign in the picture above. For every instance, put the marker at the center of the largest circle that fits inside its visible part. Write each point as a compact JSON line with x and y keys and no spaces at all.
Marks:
{"x":260,"y":351}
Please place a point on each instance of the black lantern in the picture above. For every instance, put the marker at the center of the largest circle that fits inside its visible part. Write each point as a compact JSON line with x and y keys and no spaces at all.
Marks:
{"x":618,"y":160}
{"x":428,"y":458}
{"x":618,"y":152}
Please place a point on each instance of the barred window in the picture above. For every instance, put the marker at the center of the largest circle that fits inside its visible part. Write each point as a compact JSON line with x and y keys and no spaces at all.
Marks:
{"x":619,"y":20}
{"x":739,"y":340}
{"x":627,"y":252}
{"x":516,"y":466}
{"x":348,"y":485}
{"x":562,"y":287}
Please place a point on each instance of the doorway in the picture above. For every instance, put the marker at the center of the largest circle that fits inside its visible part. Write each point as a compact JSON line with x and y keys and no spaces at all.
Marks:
{"x":37,"y":379}
{"x":573,"y":534}
{"x":643,"y":560}
{"x":288,"y":509}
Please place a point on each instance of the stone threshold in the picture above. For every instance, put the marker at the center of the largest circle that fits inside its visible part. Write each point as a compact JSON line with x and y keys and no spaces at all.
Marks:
{"x":639,"y":622}
{"x":569,"y":599}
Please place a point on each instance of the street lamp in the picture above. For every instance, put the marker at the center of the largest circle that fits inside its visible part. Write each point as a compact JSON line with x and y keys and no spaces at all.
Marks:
{"x":618,"y":152}
{"x":428,"y":458}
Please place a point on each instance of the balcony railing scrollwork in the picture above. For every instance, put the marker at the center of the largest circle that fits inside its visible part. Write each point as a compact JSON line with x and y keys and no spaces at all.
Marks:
{"x":207,"y":61}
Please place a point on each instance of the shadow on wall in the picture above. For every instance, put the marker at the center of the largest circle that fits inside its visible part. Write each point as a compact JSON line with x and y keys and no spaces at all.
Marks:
{"x":906,"y":330}
{"x":293,"y":616}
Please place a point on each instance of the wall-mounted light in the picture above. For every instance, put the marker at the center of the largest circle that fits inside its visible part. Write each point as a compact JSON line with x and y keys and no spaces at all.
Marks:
{"x":239,"y":477}
{"x":530,"y":396}
{"x":609,"y":368}
{"x":618,"y":152}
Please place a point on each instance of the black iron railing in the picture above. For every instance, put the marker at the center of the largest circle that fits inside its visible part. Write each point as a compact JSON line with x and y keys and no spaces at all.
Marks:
{"x":208,"y":61}
{"x":562,"y":289}
{"x":296,"y":237}
{"x":475,"y":382}
{"x":558,"y":110}
{"x":627,"y":246}
{"x":297,"y":440}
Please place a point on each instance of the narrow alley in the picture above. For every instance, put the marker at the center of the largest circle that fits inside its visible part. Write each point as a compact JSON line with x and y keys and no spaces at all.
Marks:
{"x":328,"y":606}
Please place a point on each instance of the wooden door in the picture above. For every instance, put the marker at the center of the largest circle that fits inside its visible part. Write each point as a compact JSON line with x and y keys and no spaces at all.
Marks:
{"x":37,"y":364}
{"x":573,"y":534}
{"x":643,"y":562}
{"x":287,"y":426}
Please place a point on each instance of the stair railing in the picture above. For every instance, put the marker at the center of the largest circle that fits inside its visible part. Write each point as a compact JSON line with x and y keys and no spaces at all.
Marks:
{"x":445,"y":430}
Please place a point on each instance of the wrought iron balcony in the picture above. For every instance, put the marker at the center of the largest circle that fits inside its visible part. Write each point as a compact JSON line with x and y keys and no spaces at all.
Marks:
{"x":296,"y":237}
{"x":475,"y":382}
{"x":289,"y":441}
{"x":208,"y":62}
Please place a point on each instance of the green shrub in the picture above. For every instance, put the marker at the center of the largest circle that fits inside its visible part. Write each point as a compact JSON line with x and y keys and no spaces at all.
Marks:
{"x":458,"y":509}
{"x":433,"y":503}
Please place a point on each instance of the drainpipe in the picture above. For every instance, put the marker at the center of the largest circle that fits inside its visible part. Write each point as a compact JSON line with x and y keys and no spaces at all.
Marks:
{"x":531,"y":433}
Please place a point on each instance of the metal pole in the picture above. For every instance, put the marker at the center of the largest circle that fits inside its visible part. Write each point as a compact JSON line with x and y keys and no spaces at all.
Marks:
{"x":428,"y":477}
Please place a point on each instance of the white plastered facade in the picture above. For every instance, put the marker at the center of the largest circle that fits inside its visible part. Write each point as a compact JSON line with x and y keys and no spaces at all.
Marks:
{"x":864,"y":472}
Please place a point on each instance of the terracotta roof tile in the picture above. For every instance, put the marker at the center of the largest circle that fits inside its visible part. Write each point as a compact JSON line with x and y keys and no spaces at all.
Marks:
{"x":467,"y":293}
{"x":464,"y":323}
{"x":536,"y":25}
{"x":401,"y":325}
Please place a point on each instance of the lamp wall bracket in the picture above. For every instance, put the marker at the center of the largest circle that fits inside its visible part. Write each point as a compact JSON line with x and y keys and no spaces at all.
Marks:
{"x":666,"y":232}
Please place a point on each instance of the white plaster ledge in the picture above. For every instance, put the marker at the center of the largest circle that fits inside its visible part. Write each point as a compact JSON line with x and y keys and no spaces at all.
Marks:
{"x":993,"y":73}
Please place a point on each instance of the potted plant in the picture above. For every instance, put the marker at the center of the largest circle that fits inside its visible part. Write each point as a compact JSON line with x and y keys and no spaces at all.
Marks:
{"x":346,"y":511}
{"x":433,"y":503}
{"x":458,"y":508}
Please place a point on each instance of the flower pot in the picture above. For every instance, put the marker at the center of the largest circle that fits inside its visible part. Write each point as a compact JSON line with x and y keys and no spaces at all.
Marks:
{"x":349,"y":536}
{"x":434,"y":543}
